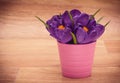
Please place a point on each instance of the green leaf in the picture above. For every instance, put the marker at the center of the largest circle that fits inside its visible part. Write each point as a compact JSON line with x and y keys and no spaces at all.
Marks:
{"x":74,"y":38}
{"x":100,"y":19}
{"x":42,"y":21}
{"x":96,"y":12}
{"x":107,"y":23}
{"x":71,"y":18}
{"x":92,"y":16}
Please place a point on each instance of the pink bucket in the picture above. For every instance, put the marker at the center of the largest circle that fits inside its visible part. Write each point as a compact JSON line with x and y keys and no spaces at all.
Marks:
{"x":76,"y":60}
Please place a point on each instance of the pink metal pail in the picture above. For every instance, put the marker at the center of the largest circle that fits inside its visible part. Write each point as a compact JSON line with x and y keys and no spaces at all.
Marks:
{"x":76,"y":60}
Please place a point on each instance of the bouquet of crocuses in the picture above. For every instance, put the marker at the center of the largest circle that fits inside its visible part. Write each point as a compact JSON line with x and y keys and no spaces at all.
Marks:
{"x":75,"y":27}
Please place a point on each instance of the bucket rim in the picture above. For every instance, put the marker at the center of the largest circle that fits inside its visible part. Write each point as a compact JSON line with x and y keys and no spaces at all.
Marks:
{"x":76,"y":44}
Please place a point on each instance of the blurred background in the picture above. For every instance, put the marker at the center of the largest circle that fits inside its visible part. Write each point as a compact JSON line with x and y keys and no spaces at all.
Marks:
{"x":17,"y":16}
{"x":28,"y":54}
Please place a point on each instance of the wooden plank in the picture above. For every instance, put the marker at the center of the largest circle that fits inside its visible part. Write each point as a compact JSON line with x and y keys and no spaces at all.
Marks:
{"x":53,"y":75}
{"x":8,"y":74}
{"x":29,"y":55}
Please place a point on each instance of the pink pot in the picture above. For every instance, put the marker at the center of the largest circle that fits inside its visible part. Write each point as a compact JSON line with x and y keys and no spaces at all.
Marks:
{"x":76,"y":60}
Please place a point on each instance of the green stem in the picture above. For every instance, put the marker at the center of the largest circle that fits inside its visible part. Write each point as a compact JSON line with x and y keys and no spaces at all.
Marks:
{"x":100,"y":19}
{"x":96,"y":12}
{"x":71,"y":18}
{"x":107,"y":23}
{"x":74,"y":38}
{"x":73,"y":35}
{"x":92,"y":16}
{"x":42,"y":21}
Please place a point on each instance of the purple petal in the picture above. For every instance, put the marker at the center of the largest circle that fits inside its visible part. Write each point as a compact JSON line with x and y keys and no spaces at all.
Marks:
{"x":80,"y":35}
{"x":52,"y":32}
{"x":82,"y":18}
{"x":75,"y":12}
{"x":52,"y":24}
{"x":57,"y":18}
{"x":91,"y":24}
{"x":95,"y":33}
{"x":100,"y":29}
{"x":78,"y":25}
{"x":66,"y":19}
{"x":63,"y":36}
{"x":92,"y":36}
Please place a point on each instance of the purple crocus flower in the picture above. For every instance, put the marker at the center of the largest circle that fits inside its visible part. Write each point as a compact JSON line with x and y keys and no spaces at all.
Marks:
{"x":86,"y":29}
{"x":60,"y":26}
{"x":66,"y":18}
{"x":74,"y":25}
{"x":58,"y":30}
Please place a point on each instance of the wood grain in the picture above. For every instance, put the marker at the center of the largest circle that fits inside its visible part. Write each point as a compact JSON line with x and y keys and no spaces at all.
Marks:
{"x":29,"y":55}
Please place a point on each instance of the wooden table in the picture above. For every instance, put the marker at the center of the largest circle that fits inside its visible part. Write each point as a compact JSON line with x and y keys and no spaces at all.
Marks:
{"x":29,"y":55}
